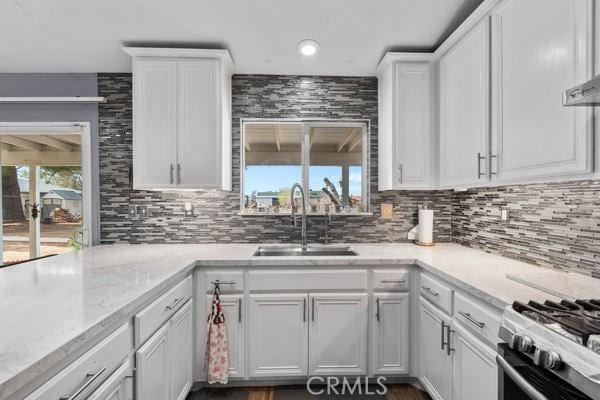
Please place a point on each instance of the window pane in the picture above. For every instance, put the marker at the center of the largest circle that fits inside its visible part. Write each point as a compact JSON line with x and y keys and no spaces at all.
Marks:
{"x":335,"y":172}
{"x":273,"y":157}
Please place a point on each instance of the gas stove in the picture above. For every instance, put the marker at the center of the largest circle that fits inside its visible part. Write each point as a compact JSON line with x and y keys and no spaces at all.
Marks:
{"x":551,"y":340}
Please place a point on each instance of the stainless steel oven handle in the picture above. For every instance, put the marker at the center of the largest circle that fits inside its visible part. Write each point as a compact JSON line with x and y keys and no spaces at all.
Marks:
{"x":521,"y":382}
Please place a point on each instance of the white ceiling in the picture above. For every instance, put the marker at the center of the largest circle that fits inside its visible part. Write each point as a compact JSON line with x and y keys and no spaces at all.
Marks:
{"x":87,"y":35}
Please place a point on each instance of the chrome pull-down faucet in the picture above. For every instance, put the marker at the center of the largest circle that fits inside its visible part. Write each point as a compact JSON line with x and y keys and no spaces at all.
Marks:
{"x":295,"y":209}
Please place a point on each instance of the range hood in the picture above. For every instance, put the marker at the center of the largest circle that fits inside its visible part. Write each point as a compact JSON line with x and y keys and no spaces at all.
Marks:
{"x":586,"y":94}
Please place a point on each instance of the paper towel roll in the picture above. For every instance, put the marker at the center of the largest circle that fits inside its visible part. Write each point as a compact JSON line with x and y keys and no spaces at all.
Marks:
{"x":425,"y":228}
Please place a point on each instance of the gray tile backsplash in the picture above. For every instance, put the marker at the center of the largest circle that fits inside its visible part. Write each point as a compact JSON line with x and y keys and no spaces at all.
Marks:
{"x":217,"y":219}
{"x":551,"y":224}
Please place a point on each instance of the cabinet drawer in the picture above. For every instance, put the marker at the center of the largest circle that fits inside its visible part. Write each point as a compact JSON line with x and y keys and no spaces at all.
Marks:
{"x":437,"y":293}
{"x":317,"y":279}
{"x":476,"y":318}
{"x":231,"y":281}
{"x":86,"y":373}
{"x":152,"y":317}
{"x":391,"y":280}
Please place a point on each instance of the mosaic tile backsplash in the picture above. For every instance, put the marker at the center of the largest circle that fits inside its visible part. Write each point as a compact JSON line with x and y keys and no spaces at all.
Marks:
{"x":217,"y":219}
{"x":551,"y":224}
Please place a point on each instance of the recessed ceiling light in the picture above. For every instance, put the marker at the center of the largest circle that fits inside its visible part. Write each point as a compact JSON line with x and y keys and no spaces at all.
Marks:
{"x":308,"y":47}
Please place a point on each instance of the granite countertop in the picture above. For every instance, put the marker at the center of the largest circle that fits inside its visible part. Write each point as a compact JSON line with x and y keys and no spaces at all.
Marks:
{"x":50,"y":307}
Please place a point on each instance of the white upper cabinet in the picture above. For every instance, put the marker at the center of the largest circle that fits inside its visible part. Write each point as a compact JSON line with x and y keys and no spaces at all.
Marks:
{"x":464,"y":110}
{"x":405,"y":121}
{"x":540,"y":48}
{"x":181,"y":118}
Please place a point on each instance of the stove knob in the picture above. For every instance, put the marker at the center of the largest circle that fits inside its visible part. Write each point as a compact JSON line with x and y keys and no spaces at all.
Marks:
{"x":547,"y":358}
{"x":522,"y":343}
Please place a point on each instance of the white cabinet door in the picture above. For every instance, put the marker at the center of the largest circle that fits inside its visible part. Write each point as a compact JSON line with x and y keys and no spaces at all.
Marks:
{"x":234,"y":312}
{"x":465,"y":110}
{"x":436,"y":364}
{"x":278,"y":335}
{"x":118,"y":386}
{"x":390,"y":340}
{"x":475,"y":372}
{"x":198,"y":164}
{"x":153,"y":380}
{"x":412,"y":125}
{"x":533,"y":63}
{"x":154,"y":123}
{"x":181,"y":345}
{"x":338,"y":334}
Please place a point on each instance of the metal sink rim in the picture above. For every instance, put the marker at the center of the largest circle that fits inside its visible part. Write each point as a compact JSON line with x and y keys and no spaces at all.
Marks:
{"x":297,"y":251}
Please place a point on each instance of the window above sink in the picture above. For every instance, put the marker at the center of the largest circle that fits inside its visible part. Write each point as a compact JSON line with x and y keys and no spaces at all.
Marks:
{"x":328,"y":157}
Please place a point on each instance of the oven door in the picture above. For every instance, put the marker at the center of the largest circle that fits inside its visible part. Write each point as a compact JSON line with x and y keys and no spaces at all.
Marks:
{"x":520,"y":379}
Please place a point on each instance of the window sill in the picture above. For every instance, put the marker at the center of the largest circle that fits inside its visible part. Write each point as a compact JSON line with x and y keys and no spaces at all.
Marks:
{"x":310,"y":214}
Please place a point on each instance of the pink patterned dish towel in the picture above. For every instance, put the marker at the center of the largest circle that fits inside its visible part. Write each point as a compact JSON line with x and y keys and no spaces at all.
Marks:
{"x":217,"y":360}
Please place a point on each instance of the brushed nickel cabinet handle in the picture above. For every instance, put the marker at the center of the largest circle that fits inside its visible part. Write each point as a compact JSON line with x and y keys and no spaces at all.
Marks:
{"x":377,"y":314}
{"x":472,"y":320}
{"x":304,"y":310}
{"x":491,"y":156}
{"x":240,"y":309}
{"x":479,"y":158}
{"x":173,"y":304}
{"x":171,"y":168}
{"x":393,"y":281}
{"x":449,"y":332}
{"x":443,"y":328}
{"x":178,"y":173}
{"x":313,"y":310}
{"x":431,"y":292}
{"x":89,"y":379}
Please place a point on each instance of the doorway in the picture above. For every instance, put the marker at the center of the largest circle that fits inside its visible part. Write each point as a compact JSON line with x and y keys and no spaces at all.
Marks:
{"x":46,"y":184}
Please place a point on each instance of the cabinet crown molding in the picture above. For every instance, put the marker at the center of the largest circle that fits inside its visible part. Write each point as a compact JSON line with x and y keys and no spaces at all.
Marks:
{"x":220,"y":54}
{"x":391,"y":57}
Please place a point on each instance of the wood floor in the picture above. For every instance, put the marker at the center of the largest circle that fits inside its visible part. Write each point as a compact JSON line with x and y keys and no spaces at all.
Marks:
{"x":395,"y":392}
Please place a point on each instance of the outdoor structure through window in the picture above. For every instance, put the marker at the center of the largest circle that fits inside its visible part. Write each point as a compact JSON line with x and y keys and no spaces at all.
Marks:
{"x":42,"y":193}
{"x":328,"y":158}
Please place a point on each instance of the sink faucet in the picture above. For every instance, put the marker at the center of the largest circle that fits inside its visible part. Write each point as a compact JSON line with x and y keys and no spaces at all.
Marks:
{"x":326,"y":238}
{"x":295,"y":208}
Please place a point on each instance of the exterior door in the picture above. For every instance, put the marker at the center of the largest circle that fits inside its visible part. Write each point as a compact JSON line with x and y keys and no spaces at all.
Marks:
{"x":391,"y":320}
{"x":436,"y":364}
{"x":181,"y":354}
{"x":465,"y":110}
{"x":154,"y":123}
{"x":278,"y":335}
{"x":532,"y":64}
{"x":475,"y":372}
{"x":234,"y":312}
{"x":338,"y":334}
{"x":153,"y":378}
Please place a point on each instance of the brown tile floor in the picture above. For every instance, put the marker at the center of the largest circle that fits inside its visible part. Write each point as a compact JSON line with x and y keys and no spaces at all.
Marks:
{"x":395,"y":392}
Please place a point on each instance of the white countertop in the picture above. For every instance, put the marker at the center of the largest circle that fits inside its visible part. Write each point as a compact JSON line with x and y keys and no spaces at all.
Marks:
{"x":49,"y":307}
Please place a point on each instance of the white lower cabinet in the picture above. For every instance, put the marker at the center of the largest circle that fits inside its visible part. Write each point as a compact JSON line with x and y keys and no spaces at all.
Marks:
{"x":118,"y":386}
{"x":278,"y":335}
{"x":390,"y":333}
{"x":233,"y":309}
{"x":436,"y":364}
{"x":475,"y":372}
{"x":181,"y":342}
{"x":164,"y":362}
{"x":338,"y":334}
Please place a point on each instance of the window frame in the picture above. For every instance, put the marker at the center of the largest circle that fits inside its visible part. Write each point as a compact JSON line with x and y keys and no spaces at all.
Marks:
{"x":307,"y":124}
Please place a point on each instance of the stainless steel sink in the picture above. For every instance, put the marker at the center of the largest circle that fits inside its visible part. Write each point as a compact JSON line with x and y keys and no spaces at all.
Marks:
{"x":297,"y":251}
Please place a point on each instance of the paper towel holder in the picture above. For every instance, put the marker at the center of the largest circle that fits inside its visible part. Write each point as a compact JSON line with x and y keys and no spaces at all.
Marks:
{"x":416,"y":233}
